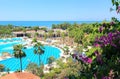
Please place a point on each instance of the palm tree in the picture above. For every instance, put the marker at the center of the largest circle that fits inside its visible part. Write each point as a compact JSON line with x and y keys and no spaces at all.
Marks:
{"x":50,"y":33}
{"x":34,"y":40}
{"x":19,"y":53}
{"x":24,"y":30}
{"x":36,"y":34}
{"x":39,"y":50}
{"x":2,"y":67}
{"x":63,"y":36}
{"x":36,"y":28}
{"x":58,"y":33}
{"x":8,"y":70}
{"x":45,"y":36}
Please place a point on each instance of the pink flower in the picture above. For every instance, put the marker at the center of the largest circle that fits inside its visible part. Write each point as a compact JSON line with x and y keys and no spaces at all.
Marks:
{"x":86,"y":60}
{"x":89,"y":60}
{"x":96,"y":45}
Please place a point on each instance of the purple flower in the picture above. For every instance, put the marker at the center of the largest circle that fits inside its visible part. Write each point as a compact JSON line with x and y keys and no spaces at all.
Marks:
{"x":96,"y":52}
{"x":74,"y":55}
{"x":112,"y":23}
{"x":66,"y":78}
{"x":101,"y":29}
{"x":112,"y":44}
{"x":98,"y":56}
{"x":104,"y":25}
{"x":117,"y":32}
{"x":111,"y":39}
{"x":96,"y":45}
{"x":89,"y":60}
{"x":110,"y":35}
{"x":105,"y":77}
{"x":85,"y":59}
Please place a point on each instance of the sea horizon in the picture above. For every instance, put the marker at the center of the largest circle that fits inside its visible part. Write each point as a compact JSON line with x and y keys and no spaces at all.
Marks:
{"x":41,"y":23}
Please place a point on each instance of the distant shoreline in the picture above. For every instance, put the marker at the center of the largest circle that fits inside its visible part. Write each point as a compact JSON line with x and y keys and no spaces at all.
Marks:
{"x":42,"y":23}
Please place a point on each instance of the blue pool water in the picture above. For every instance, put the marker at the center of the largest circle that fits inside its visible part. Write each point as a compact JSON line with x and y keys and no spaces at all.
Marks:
{"x":6,"y":45}
{"x":14,"y":64}
{"x":10,"y":39}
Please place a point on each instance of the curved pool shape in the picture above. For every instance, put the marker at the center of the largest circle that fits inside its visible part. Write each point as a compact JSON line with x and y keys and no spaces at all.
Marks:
{"x":14,"y":64}
{"x":10,"y":39}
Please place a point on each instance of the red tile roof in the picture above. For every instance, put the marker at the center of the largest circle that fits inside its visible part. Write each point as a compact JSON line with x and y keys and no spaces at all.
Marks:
{"x":20,"y":75}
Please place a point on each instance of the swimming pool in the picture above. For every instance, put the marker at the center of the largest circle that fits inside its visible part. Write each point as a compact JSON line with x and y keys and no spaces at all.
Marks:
{"x":14,"y":64}
{"x":10,"y":39}
{"x":6,"y":45}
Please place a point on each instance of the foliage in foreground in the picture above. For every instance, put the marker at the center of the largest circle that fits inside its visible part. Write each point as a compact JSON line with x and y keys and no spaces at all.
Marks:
{"x":105,"y":53}
{"x":35,"y":69}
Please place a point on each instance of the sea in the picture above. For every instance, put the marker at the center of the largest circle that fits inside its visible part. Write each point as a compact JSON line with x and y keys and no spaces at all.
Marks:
{"x":47,"y":24}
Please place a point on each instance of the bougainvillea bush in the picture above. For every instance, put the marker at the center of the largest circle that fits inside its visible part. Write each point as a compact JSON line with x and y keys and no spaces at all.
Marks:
{"x":110,"y":43}
{"x":106,"y":65}
{"x":106,"y":58}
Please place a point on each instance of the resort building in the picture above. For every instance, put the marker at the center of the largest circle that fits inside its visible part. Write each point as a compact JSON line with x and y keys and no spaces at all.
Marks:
{"x":31,"y":32}
{"x":19,"y":34}
{"x":41,"y":33}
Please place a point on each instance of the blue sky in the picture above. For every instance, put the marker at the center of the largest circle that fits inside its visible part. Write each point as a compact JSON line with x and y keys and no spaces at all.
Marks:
{"x":52,"y":10}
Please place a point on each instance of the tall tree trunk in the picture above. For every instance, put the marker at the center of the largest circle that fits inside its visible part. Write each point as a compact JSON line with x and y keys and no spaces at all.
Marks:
{"x":20,"y":64}
{"x":39,"y":60}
